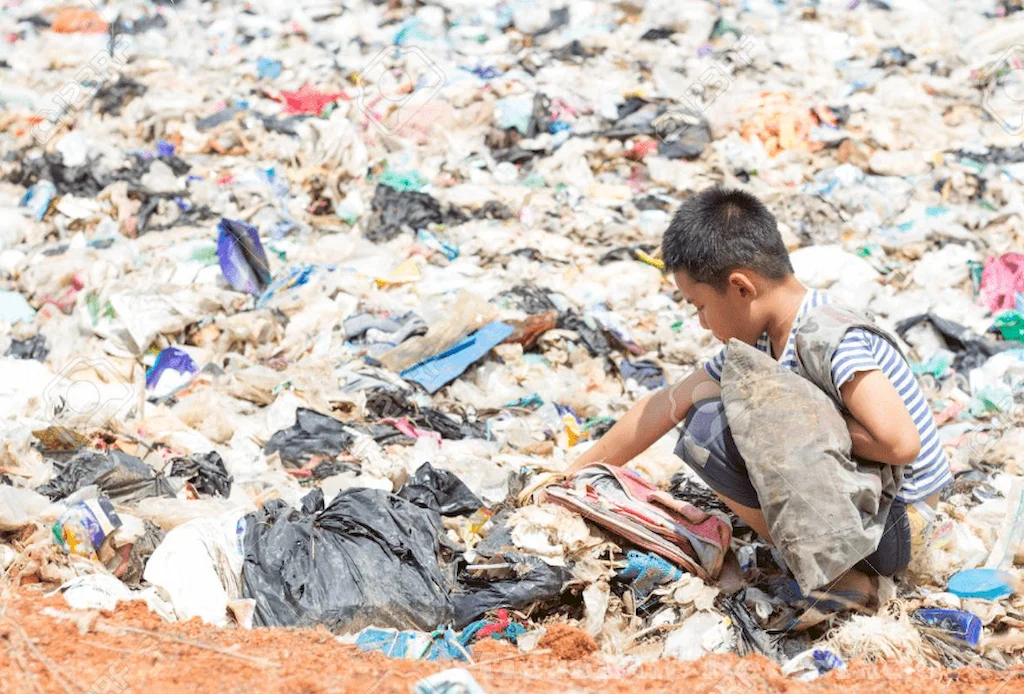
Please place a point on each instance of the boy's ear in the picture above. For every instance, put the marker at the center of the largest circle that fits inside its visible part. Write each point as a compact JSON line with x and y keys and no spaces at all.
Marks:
{"x":743,"y":283}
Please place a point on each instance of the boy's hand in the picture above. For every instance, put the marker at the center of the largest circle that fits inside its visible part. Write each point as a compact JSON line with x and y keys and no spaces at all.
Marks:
{"x":647,"y":421}
{"x":881,"y":428}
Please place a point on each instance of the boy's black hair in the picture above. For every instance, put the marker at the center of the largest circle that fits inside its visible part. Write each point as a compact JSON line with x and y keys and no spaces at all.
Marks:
{"x":717,"y":231}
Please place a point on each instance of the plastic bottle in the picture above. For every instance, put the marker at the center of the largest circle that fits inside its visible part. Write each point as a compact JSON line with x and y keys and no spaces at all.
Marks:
{"x":959,"y":624}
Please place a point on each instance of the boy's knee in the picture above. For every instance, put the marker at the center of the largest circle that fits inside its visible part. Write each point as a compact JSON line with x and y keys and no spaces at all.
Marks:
{"x":706,"y":421}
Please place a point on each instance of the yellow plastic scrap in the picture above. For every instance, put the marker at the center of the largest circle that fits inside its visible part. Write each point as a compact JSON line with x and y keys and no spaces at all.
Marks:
{"x":405,"y":273}
{"x":651,"y":259}
{"x":573,"y":431}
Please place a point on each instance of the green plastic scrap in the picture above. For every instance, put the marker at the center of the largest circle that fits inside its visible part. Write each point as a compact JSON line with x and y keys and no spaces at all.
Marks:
{"x":531,"y":400}
{"x":977,"y":166}
{"x":991,"y":399}
{"x":92,"y":303}
{"x":206,"y":255}
{"x":403,"y":180}
{"x":722,"y":27}
{"x":1011,"y":325}
{"x":976,"y":269}
{"x":937,"y":365}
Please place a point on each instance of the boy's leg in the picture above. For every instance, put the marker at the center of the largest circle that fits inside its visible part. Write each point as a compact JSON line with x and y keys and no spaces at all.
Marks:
{"x":707,"y":446}
{"x":751,"y":516}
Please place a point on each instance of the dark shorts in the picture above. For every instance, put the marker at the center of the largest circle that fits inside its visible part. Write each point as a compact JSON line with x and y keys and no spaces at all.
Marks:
{"x":712,"y":454}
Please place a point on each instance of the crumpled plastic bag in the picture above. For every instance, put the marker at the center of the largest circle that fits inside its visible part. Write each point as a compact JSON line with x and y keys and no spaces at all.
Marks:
{"x":211,"y":549}
{"x":376,"y":563}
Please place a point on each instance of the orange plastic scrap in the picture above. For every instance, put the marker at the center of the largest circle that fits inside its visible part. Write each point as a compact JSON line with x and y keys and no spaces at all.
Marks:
{"x":826,"y":116}
{"x":77,"y":20}
{"x":781,"y":125}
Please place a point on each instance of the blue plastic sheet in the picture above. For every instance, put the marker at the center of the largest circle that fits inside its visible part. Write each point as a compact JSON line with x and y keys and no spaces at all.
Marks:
{"x":441,"y":369}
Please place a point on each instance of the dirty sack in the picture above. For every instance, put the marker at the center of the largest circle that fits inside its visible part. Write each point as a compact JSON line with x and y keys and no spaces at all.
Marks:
{"x":120,"y":476}
{"x":625,"y":504}
{"x":785,"y":426}
{"x":368,"y":559}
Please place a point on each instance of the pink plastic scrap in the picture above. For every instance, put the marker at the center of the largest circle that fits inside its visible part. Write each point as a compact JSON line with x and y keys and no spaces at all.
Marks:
{"x":406,"y":427}
{"x":308,"y":99}
{"x":1001,"y":279}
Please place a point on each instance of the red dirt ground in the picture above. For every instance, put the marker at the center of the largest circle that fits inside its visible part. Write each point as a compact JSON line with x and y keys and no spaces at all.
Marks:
{"x":132,"y":650}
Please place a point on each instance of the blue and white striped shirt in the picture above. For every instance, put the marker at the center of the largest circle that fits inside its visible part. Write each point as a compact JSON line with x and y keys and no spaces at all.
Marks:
{"x":863,"y":350}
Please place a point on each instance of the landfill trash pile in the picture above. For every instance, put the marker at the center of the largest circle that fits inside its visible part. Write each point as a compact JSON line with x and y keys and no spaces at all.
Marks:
{"x":301,"y":307}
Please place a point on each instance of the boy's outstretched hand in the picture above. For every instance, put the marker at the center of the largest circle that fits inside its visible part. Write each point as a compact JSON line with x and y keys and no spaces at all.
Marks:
{"x":647,"y":421}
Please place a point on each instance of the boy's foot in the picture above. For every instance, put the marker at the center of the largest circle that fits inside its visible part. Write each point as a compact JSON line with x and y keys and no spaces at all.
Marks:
{"x":852,"y":592}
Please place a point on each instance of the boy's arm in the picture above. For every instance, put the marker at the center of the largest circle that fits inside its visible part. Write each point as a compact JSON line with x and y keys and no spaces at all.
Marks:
{"x":881,"y":428}
{"x":647,"y":421}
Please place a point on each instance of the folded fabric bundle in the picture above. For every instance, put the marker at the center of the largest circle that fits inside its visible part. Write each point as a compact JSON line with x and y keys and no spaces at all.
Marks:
{"x":625,"y":504}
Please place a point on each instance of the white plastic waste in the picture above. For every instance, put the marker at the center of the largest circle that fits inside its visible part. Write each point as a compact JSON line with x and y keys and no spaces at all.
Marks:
{"x":703,"y":632}
{"x":102,"y":591}
{"x":212,"y":550}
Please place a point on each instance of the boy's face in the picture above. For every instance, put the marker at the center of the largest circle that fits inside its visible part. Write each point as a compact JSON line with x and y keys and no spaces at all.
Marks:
{"x":728,"y":313}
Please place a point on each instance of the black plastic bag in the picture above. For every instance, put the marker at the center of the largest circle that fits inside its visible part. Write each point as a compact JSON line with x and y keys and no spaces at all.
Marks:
{"x":592,"y":338}
{"x":32,"y":348}
{"x":645,"y":372}
{"x":120,"y":476}
{"x":440,"y":491}
{"x":395,"y":210}
{"x":657,"y":33}
{"x":528,"y":298}
{"x":453,"y":429}
{"x":139,"y":554}
{"x":114,"y":96}
{"x":312,"y":434}
{"x":532,"y":581}
{"x":206,"y":472}
{"x":368,"y":559}
{"x":972,"y":350}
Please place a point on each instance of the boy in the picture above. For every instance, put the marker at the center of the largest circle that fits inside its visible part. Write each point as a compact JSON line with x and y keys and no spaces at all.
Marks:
{"x":729,"y":262}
